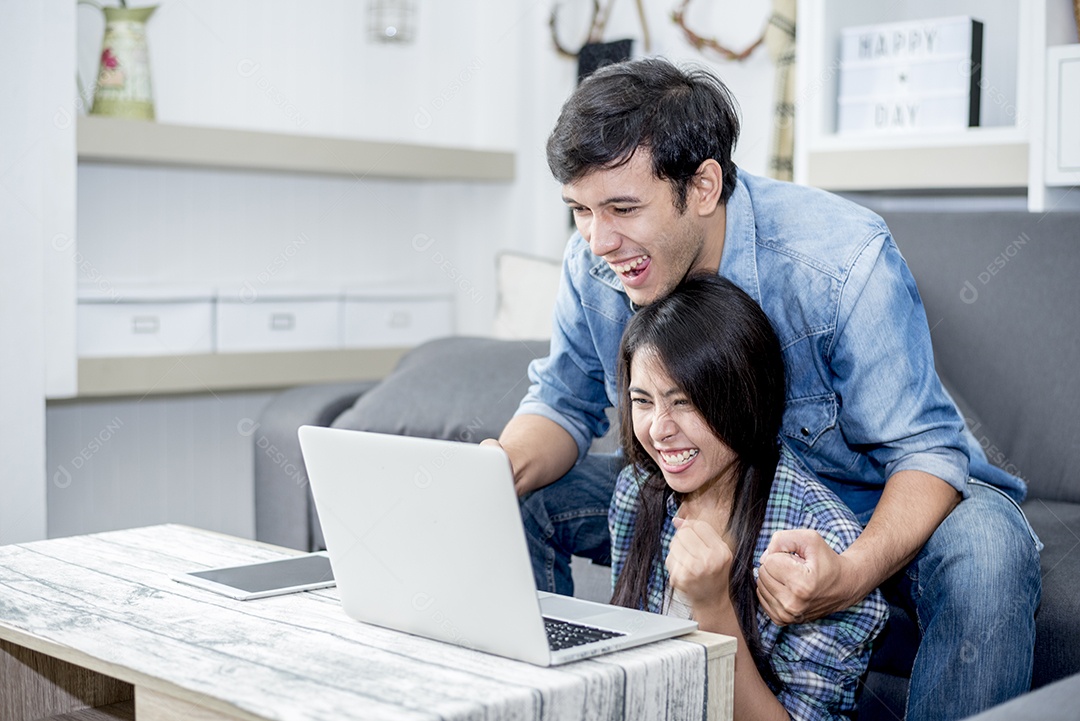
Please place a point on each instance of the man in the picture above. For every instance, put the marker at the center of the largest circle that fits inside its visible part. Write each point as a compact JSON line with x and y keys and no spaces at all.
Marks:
{"x":643,"y":152}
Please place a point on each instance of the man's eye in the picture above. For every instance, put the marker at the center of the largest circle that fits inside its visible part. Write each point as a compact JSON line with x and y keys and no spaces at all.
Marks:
{"x":578,"y":210}
{"x":623,"y":211}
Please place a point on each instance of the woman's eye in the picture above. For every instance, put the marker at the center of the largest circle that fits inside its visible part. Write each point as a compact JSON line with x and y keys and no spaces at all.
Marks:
{"x":639,"y":402}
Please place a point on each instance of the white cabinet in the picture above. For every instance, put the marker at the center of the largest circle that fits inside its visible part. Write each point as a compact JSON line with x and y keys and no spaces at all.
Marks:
{"x":1005,"y":153}
{"x":1063,"y":115}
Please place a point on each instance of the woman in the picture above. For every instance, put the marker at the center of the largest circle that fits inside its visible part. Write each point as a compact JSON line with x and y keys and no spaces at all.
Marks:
{"x":708,"y":483}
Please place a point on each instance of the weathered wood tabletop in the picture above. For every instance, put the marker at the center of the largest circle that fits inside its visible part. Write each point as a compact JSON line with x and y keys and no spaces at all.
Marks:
{"x":109,"y":599}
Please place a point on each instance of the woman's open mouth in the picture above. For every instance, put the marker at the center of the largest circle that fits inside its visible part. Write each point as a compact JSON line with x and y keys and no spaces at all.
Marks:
{"x":677,"y":461}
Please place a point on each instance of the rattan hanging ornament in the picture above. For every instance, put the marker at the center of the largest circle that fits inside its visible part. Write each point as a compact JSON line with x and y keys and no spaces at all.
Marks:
{"x":678,"y":16}
{"x":600,"y":15}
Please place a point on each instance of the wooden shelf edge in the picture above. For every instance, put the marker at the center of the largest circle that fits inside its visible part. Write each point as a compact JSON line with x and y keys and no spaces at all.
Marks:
{"x":222,"y":372}
{"x":908,"y":168}
{"x":137,"y":142}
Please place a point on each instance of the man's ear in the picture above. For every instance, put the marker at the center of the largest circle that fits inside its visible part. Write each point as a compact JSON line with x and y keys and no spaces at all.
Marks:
{"x":707,"y":187}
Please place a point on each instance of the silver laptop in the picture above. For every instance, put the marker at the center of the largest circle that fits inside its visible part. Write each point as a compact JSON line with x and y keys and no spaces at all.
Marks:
{"x":426,"y":537}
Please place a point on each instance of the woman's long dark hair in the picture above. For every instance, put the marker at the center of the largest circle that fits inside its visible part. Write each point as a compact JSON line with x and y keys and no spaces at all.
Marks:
{"x":719,"y":348}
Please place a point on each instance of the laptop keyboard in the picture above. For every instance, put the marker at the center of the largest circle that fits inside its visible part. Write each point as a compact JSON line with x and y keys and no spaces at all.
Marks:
{"x":564,"y":634}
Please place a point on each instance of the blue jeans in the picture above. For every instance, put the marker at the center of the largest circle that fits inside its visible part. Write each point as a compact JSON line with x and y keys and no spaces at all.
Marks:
{"x":973,"y":588}
{"x":570,"y":517}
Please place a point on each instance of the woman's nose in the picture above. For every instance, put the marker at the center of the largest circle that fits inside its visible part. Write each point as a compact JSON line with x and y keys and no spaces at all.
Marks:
{"x":662,"y":426}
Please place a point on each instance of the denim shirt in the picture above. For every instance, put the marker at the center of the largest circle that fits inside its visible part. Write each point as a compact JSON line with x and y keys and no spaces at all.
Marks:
{"x":863,"y":398}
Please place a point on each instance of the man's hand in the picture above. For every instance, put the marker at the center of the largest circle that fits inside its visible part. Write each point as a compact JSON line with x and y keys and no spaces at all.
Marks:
{"x":802,"y":578}
{"x":540,"y":451}
{"x":699,"y":562}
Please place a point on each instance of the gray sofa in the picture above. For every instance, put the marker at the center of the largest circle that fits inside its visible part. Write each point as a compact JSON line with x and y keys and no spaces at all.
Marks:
{"x":1003,"y":304}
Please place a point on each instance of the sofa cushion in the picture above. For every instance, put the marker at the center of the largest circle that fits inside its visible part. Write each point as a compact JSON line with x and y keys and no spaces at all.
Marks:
{"x":459,"y":388}
{"x":1000,"y":293}
{"x":1057,"y":636}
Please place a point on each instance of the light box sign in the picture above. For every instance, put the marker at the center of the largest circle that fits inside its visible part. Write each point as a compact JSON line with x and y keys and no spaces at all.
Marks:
{"x":910,"y":76}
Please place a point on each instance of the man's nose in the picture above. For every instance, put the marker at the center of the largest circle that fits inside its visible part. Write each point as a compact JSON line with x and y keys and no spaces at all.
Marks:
{"x":602,"y":238}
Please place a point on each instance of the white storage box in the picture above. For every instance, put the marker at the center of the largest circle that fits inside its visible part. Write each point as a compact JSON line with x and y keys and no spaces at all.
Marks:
{"x":395,"y":318}
{"x":277,"y":319}
{"x":143,"y":321}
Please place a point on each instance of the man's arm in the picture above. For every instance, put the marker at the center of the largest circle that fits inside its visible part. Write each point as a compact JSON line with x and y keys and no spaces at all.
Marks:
{"x":912,"y":506}
{"x":540,"y":450}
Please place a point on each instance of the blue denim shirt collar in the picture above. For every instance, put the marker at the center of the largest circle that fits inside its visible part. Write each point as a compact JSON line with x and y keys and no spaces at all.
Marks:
{"x":738,"y":263}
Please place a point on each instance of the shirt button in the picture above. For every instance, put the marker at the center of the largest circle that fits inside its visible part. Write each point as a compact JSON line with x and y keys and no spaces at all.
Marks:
{"x":805,"y":431}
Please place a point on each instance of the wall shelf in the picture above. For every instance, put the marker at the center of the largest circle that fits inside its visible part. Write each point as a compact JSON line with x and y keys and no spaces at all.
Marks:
{"x":1005,"y":154}
{"x":904,"y":166}
{"x":135,"y":142}
{"x":221,"y":372}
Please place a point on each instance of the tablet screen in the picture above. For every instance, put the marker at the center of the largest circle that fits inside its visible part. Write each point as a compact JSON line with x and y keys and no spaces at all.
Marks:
{"x":296,"y":573}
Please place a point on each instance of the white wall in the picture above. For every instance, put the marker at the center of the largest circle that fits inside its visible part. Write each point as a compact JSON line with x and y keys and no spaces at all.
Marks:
{"x":480,"y":74}
{"x":36,"y":204}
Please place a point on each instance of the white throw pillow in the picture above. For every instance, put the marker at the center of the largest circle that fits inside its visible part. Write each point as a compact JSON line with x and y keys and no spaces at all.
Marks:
{"x":527,"y":285}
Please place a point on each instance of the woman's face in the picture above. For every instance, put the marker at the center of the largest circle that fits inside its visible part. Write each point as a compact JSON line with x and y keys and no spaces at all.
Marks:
{"x":673,"y":432}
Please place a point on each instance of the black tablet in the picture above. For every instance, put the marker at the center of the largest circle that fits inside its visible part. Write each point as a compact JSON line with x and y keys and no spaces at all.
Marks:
{"x":268,"y":578}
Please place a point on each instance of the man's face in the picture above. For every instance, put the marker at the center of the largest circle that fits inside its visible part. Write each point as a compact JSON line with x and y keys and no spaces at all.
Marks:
{"x":628,"y":217}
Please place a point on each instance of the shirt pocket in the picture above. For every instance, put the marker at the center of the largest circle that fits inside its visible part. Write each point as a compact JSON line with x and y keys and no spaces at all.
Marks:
{"x":811,"y":425}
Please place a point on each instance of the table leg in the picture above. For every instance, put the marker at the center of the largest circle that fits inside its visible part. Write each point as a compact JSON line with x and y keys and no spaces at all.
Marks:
{"x":720,"y":672}
{"x":36,"y":686}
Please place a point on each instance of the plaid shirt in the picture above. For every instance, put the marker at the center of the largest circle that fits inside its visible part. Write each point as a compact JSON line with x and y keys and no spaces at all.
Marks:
{"x":819,"y":663}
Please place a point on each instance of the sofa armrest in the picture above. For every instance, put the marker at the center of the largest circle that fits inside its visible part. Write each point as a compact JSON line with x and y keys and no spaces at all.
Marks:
{"x":1056,"y":702}
{"x":282,"y":497}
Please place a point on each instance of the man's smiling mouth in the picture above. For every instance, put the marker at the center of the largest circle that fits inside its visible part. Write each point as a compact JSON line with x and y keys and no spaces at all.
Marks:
{"x":632,"y":267}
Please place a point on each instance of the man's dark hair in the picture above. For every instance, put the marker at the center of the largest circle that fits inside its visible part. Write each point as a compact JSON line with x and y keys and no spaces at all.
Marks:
{"x":682,"y":117}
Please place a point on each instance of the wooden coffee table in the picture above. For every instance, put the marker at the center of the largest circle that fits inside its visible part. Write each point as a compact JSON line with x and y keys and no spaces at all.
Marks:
{"x":94,"y":628}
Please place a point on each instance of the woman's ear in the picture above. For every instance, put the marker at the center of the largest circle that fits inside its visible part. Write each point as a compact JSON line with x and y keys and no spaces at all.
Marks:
{"x":707,"y":187}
